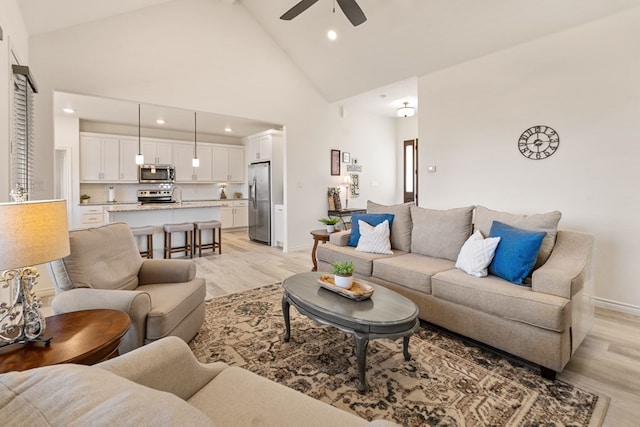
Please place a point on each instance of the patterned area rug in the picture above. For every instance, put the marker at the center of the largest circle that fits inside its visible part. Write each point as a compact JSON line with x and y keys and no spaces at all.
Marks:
{"x":448,"y":382}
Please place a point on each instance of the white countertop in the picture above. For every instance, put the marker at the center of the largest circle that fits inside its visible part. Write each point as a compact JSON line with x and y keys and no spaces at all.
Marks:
{"x":130,"y":207}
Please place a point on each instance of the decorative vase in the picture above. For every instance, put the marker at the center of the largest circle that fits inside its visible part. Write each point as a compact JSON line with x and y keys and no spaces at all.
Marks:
{"x":343,"y":282}
{"x":331,"y":228}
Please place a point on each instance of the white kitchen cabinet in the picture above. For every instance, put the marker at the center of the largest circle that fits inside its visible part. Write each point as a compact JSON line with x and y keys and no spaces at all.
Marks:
{"x":90,"y":216}
{"x":99,"y":159}
{"x":157,"y":152}
{"x":260,"y":147}
{"x":234,"y":214}
{"x":228,"y":164}
{"x":128,"y":167}
{"x":185,"y":172}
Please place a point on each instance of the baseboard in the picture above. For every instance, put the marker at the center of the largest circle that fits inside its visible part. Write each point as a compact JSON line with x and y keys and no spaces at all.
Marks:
{"x":617,"y":306}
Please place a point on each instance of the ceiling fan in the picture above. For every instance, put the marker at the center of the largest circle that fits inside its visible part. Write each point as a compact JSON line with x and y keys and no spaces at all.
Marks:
{"x":349,"y":7}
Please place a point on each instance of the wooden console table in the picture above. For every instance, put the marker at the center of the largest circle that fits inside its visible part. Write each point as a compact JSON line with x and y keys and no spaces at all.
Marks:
{"x":83,"y":337}
{"x":341,"y":213}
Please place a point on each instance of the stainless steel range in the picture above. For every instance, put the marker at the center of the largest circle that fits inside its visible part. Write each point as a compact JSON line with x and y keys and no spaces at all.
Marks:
{"x":155,"y":196}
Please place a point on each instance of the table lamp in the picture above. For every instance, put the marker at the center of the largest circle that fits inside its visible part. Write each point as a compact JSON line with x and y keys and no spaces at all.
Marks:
{"x":31,"y":233}
{"x":348,"y":181}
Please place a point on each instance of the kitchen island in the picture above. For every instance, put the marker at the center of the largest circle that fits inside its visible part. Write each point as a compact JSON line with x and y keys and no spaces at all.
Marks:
{"x":158,"y":214}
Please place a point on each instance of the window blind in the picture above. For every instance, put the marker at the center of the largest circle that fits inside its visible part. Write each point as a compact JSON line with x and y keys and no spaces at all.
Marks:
{"x":22,"y":139}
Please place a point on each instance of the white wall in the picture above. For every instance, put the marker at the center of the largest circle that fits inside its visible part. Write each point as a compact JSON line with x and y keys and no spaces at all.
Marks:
{"x":209,"y":56}
{"x":583,"y":83}
{"x":14,"y":40}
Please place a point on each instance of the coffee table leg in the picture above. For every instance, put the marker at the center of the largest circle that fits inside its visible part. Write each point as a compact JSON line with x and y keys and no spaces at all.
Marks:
{"x":362,"y":341}
{"x":285,"y":313}
{"x":405,"y":347}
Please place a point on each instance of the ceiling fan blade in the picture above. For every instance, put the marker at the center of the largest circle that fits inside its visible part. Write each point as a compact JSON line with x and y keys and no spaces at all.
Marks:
{"x":352,"y":11}
{"x":297,"y":9}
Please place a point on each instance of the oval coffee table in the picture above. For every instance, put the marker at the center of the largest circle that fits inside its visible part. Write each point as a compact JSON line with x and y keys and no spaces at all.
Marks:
{"x":385,"y":315}
{"x":85,"y":337}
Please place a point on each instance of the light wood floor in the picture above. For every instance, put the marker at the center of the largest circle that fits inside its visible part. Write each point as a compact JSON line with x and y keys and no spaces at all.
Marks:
{"x":607,"y":362}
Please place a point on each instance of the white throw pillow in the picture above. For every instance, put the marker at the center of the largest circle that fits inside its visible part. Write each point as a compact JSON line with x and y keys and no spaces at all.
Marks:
{"x":476,"y":254}
{"x":374,"y":239}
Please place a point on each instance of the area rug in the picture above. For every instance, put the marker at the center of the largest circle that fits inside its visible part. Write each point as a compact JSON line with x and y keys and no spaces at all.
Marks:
{"x":447,"y":382}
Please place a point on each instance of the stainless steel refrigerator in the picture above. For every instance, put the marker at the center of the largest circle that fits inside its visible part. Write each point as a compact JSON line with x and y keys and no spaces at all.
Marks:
{"x":260,"y":202}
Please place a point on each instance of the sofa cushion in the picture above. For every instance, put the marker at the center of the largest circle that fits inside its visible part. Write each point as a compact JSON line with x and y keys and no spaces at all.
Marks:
{"x":547,"y":222}
{"x":371,"y":219}
{"x":171,"y":303}
{"x":517,"y":252}
{"x":65,"y":395}
{"x":363,"y":261}
{"x":374,"y":239}
{"x":401,"y":227}
{"x":440,"y":233}
{"x":103,"y":258}
{"x":498,"y":297}
{"x":410,"y":270}
{"x":239,"y":397}
{"x":476,"y":254}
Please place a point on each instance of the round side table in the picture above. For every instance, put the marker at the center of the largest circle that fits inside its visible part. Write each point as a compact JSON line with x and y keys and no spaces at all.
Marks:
{"x":83,"y":337}
{"x":318,"y":236}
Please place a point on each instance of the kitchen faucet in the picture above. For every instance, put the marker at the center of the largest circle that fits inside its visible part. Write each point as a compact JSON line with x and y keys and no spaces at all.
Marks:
{"x":179,"y":200}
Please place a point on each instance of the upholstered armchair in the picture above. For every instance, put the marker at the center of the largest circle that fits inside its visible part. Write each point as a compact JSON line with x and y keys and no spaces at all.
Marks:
{"x":105,"y":270}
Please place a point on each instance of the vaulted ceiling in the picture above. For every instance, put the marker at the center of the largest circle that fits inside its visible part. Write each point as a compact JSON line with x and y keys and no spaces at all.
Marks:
{"x":400,"y":40}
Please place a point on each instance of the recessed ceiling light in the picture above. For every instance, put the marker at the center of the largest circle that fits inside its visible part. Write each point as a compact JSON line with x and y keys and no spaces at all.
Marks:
{"x":227,"y":129}
{"x":68,"y":110}
{"x":332,"y":35}
{"x":160,"y":121}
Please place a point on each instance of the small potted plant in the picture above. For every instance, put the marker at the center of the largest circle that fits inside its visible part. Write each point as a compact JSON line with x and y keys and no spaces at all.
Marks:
{"x":330,"y":223}
{"x":343,"y":273}
{"x":84,"y":199}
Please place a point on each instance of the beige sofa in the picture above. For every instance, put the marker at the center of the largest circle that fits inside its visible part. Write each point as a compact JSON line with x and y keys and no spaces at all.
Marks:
{"x":161,"y":384}
{"x":105,"y":270}
{"x":543,"y":322}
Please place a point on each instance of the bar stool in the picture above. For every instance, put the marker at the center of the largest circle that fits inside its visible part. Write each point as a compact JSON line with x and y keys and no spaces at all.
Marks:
{"x":208,"y":225}
{"x":146,"y":230}
{"x":187,"y":227}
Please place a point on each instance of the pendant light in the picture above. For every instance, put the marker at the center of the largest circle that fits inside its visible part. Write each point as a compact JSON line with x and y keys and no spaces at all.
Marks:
{"x":139,"y":156}
{"x":195,"y":162}
{"x":406,"y":111}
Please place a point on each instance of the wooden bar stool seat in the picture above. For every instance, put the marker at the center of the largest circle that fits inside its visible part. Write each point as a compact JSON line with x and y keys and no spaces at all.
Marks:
{"x":208,"y":225}
{"x":187,"y":248}
{"x":147,"y":231}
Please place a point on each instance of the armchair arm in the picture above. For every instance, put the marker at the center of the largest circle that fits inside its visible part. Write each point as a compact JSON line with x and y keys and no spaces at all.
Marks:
{"x":166,"y":271}
{"x":167,"y":365}
{"x":137,"y":304}
{"x":340,"y":238}
{"x":568,"y":268}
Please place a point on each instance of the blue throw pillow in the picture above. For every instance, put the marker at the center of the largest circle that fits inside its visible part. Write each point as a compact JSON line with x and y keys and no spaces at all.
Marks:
{"x":516,"y":253}
{"x":371,"y":219}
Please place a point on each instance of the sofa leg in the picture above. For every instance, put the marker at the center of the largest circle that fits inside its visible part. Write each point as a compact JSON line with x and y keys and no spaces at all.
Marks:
{"x":548,"y":374}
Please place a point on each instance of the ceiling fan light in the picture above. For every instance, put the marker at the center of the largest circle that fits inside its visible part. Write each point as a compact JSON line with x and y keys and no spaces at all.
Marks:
{"x":406,"y":111}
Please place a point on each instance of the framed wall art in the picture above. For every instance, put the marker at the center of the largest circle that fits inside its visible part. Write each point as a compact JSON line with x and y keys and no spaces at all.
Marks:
{"x":335,"y":162}
{"x":346,"y":157}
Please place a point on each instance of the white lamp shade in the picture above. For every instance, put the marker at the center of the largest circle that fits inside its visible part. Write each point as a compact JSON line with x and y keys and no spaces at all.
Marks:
{"x":139,"y":159}
{"x":33,"y":233}
{"x":195,"y":162}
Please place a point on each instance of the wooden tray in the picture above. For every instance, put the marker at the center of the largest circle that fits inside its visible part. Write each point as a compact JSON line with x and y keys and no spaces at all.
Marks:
{"x":358,"y":291}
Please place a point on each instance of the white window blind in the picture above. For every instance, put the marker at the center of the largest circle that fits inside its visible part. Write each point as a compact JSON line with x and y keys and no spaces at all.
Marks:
{"x":22,"y":138}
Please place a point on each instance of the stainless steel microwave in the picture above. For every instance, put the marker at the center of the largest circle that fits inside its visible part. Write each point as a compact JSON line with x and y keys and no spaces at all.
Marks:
{"x":156,"y":174}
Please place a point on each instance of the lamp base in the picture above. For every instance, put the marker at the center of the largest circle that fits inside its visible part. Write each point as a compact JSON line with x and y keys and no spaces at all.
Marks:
{"x":20,"y":320}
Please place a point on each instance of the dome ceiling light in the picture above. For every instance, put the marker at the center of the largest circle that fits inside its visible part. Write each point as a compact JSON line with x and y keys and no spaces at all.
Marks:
{"x":406,"y":111}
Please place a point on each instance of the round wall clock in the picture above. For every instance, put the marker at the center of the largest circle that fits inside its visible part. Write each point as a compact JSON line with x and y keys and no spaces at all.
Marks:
{"x":538,"y":142}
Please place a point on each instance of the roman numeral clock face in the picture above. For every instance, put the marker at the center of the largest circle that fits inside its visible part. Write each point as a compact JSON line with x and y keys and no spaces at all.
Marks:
{"x":538,"y":142}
